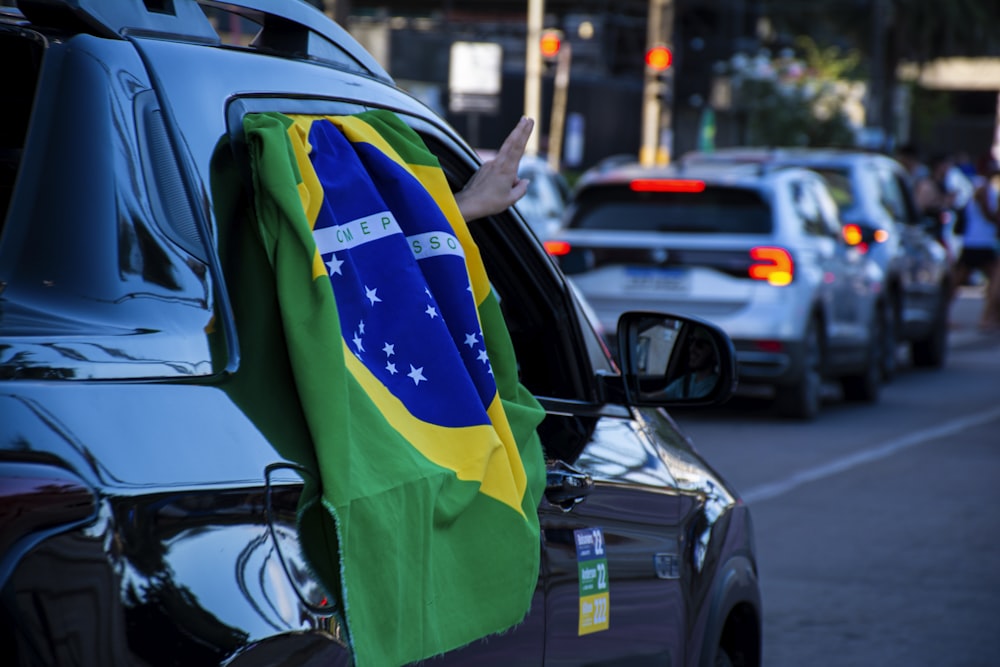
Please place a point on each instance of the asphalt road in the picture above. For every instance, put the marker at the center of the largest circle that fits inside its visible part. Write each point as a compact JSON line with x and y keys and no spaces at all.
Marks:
{"x":878,"y":527}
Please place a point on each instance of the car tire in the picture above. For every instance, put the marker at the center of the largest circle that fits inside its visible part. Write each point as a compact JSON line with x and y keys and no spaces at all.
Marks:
{"x":932,"y":350}
{"x":802,"y":399}
{"x":888,"y":354}
{"x":864,"y":387}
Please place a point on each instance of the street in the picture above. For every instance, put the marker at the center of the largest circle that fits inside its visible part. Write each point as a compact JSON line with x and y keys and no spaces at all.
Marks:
{"x":877,"y":526}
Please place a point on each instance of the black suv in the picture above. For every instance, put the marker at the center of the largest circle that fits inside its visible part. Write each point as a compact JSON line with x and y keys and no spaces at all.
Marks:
{"x":150,"y":515}
{"x":880,"y":216}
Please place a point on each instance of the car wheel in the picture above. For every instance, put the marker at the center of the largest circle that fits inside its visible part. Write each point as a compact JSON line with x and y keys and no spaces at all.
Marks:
{"x":864,"y":386}
{"x":890,"y":342}
{"x":802,"y":399}
{"x":931,"y":351}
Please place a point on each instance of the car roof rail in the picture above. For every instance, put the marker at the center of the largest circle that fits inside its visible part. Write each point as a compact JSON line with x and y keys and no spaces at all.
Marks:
{"x":761,"y":161}
{"x":286,"y":25}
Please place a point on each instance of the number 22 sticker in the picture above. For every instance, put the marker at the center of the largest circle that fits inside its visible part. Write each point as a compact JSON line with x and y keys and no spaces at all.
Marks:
{"x":592,"y":568}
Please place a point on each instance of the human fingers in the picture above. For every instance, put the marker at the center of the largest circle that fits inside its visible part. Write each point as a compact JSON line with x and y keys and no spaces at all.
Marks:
{"x":519,"y":190}
{"x":513,"y":146}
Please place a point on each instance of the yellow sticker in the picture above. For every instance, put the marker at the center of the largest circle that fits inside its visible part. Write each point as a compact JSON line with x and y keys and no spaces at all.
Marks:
{"x":594,"y":613}
{"x":592,"y":572}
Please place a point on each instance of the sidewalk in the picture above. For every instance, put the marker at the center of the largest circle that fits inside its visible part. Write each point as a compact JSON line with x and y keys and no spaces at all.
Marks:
{"x":965,"y":311}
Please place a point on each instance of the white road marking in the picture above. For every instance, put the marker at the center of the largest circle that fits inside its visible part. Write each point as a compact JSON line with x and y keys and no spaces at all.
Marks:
{"x":781,"y":487}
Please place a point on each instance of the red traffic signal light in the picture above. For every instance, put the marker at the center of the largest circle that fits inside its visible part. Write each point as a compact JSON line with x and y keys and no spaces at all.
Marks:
{"x":659,"y":58}
{"x":550,"y":43}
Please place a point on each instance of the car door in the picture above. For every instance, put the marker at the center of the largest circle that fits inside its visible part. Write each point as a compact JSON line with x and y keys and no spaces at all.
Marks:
{"x":844,"y":271}
{"x":921,"y":258}
{"x":613,"y":592}
{"x":610,"y":518}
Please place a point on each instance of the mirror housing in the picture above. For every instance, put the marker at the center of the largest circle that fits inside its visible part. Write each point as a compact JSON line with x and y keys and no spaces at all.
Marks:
{"x":674,"y":360}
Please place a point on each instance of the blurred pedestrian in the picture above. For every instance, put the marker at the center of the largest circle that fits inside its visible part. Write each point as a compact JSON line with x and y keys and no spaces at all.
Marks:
{"x":944,"y":193}
{"x":966,"y":165}
{"x":980,"y":251}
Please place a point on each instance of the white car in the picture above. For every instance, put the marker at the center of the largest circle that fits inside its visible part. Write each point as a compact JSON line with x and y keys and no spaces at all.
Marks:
{"x":759,"y":252}
{"x":545,"y":202}
{"x":544,"y":205}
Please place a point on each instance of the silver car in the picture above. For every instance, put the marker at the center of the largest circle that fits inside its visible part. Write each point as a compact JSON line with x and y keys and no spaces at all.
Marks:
{"x":757,"y":251}
{"x":880,"y":216}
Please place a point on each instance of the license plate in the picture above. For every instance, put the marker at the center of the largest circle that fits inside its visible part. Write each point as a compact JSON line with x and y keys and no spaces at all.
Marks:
{"x":663,"y":280}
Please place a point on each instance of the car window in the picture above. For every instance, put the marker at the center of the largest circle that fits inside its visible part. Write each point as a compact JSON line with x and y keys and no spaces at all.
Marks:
{"x":828,"y":208}
{"x":807,"y":208}
{"x":539,"y":314}
{"x":715,"y":210}
{"x":910,"y":213}
{"x":537,"y":308}
{"x":891,"y":195}
{"x":19,"y":95}
{"x":839,"y":183}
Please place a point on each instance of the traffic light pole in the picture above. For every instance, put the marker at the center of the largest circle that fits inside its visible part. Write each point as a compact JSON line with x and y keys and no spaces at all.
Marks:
{"x":559,"y":94}
{"x":657,"y":90}
{"x":533,"y":72}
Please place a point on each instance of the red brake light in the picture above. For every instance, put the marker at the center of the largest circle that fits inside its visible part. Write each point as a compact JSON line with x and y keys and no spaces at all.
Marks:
{"x":557,"y":248}
{"x":666,"y":185}
{"x":772,"y":264}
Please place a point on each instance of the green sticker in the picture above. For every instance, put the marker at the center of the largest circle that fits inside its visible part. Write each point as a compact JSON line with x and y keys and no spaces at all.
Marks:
{"x":593,"y":575}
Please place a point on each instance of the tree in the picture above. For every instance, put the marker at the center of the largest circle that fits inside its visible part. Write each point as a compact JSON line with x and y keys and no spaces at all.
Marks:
{"x":796,"y":101}
{"x":890,"y":32}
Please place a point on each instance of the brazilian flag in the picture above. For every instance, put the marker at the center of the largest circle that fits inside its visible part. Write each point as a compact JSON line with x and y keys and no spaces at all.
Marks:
{"x":424,"y":439}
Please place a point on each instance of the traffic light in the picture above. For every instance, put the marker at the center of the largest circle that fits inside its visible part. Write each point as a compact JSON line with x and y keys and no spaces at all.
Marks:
{"x":659,"y":58}
{"x":550,"y":42}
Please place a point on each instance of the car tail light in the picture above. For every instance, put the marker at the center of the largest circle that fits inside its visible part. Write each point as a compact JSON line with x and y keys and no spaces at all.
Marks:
{"x":855,"y":237}
{"x":770,"y":345}
{"x":666,"y":185}
{"x":881,"y":236}
{"x":852,"y":234}
{"x":557,"y":248}
{"x":771,"y":264}
{"x":36,"y":497}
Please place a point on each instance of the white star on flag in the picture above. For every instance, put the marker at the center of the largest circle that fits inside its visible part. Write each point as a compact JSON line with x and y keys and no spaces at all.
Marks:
{"x":370,"y":294}
{"x":483,"y":357}
{"x":417,"y":374}
{"x":431,"y":311}
{"x":389,"y":349}
{"x":335,"y":265}
{"x":471,"y":339}
{"x":391,"y":367}
{"x":357,"y":342}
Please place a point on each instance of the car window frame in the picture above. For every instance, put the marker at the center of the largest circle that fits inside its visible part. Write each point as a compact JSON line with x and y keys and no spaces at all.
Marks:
{"x":569,"y":357}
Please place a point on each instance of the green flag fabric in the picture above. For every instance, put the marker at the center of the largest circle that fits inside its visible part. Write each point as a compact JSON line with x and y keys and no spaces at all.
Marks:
{"x":425,"y":440}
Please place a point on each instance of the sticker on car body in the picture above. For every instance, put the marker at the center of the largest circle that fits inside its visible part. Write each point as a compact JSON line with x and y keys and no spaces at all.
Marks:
{"x":592,"y":566}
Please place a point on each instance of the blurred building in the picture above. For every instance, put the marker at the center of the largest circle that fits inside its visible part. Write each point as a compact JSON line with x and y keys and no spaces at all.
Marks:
{"x":608,"y":41}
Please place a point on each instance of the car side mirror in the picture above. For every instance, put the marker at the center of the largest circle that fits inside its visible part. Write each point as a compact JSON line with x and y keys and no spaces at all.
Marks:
{"x":672,"y":360}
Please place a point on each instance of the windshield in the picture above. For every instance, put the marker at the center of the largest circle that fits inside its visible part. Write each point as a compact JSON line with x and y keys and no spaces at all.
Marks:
{"x":715,"y":210}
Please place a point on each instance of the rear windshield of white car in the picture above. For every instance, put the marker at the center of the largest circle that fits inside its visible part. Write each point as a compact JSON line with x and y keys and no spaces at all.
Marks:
{"x":714,"y":210}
